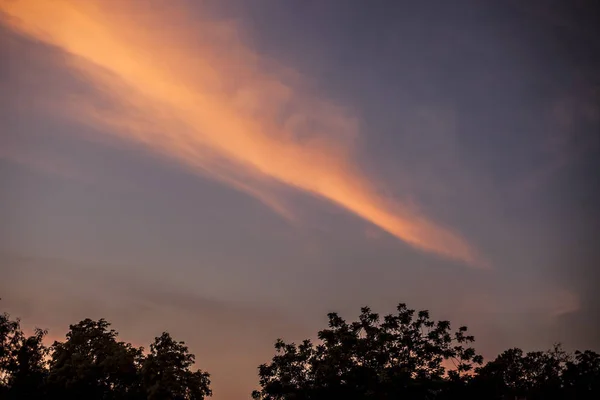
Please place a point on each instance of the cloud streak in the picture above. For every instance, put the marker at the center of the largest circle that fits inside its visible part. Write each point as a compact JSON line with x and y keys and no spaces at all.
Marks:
{"x":191,"y":91}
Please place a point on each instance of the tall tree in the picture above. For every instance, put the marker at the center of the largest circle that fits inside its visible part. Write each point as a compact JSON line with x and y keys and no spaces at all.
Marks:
{"x":92,"y":364}
{"x":22,"y":361}
{"x":28,"y":368}
{"x":10,"y":336}
{"x":581,"y":377}
{"x":167,"y":374}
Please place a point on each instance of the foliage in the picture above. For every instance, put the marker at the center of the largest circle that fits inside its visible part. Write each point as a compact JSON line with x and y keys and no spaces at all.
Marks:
{"x":400,"y":356}
{"x":166,"y":372}
{"x":372,"y":358}
{"x":22,"y":360}
{"x":403,"y":356}
{"x":535,"y":375}
{"x":581,"y":376}
{"x":93,"y":364}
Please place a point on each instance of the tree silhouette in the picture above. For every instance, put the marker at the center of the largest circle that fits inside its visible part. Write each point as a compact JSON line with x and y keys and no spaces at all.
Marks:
{"x":402,"y":355}
{"x":581,"y":376}
{"x":535,"y":375}
{"x":92,"y":364}
{"x":28,"y":368}
{"x":552,"y":374}
{"x":22,"y":361}
{"x":10,"y":332}
{"x":372,"y":358}
{"x":166,"y":372}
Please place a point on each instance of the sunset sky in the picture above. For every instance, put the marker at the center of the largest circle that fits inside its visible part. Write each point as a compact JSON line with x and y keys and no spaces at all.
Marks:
{"x":233,"y":170}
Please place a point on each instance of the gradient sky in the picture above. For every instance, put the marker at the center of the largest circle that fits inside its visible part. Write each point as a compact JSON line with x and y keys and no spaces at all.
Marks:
{"x":231,"y":171}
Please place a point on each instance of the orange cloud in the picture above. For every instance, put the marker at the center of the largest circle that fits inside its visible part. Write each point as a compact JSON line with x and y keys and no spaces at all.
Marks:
{"x":192,"y":91}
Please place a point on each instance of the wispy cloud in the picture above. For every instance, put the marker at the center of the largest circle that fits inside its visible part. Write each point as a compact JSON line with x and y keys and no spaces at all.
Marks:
{"x":192,"y":91}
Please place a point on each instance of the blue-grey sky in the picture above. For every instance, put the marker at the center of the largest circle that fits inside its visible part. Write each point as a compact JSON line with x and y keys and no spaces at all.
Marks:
{"x":231,"y":171}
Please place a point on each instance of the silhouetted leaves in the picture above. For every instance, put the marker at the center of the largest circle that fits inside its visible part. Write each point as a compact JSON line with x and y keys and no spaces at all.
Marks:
{"x":581,"y":376}
{"x":93,"y":364}
{"x":22,"y":364}
{"x":166,"y":372}
{"x":552,"y":374}
{"x":402,"y":355}
{"x":399,"y":356}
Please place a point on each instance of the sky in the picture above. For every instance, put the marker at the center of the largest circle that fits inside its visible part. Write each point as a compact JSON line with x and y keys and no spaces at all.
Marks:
{"x":231,"y":171}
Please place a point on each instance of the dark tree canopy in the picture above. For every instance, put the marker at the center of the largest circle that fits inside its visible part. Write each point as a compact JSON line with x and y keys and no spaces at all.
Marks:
{"x":93,"y":364}
{"x":552,"y":374}
{"x":22,"y":360}
{"x":166,"y":372}
{"x":399,"y":355}
{"x":581,"y":376}
{"x":404,"y":355}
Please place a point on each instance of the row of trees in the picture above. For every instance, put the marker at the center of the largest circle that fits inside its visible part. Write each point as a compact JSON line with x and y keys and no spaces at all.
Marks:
{"x":400,"y":356}
{"x":404,"y":356}
{"x":93,"y":364}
